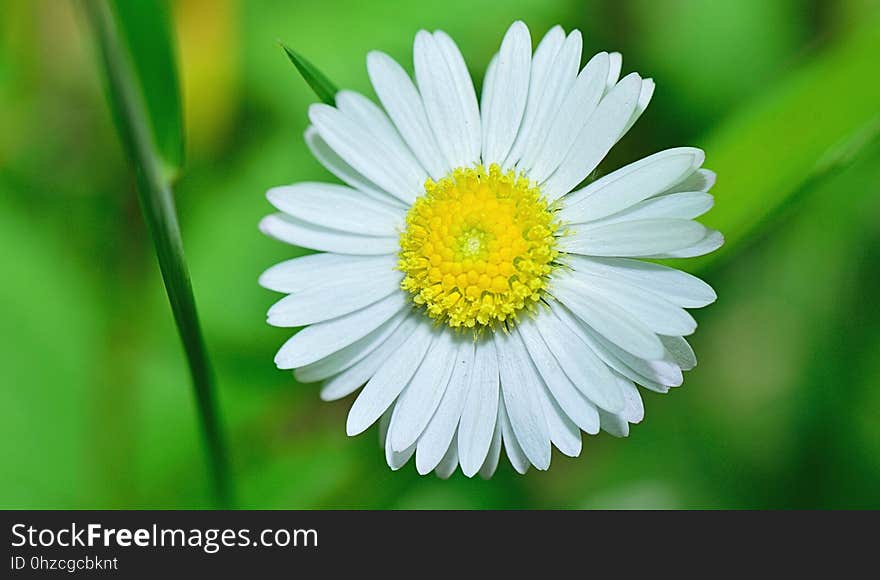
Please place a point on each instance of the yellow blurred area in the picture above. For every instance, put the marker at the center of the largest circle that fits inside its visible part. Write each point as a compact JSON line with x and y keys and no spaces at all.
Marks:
{"x":208,"y":48}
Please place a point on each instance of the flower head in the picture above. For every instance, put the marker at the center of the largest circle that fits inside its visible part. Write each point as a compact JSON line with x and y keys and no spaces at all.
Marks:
{"x":478,"y":247}
{"x":480,"y":297}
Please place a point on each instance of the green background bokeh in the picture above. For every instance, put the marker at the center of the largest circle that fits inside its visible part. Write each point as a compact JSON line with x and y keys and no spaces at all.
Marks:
{"x":96,"y":410}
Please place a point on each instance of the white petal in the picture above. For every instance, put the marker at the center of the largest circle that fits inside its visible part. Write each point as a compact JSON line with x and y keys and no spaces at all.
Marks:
{"x":350,"y":355}
{"x":634,"y":411}
{"x":570,"y":117}
{"x":372,"y":118}
{"x":570,"y":399}
{"x":597,"y":137}
{"x":434,"y":442}
{"x":319,"y":340}
{"x":348,"y":174}
{"x":464,"y":88}
{"x":657,"y":375}
{"x":480,"y":411}
{"x":515,"y":453}
{"x":449,"y":462}
{"x":631,"y":184}
{"x":333,"y":299}
{"x":615,"y":65}
{"x":564,"y":434}
{"x":352,"y":378}
{"x":449,"y":98}
{"x":315,"y":269}
{"x":487,"y":470}
{"x":674,"y":285}
{"x":589,"y":374}
{"x":711,"y":241}
{"x":562,"y":86}
{"x":384,"y":421}
{"x":421,"y":397}
{"x":542,"y":63}
{"x":644,"y":99}
{"x":366,"y":154}
{"x":685,"y":205}
{"x":488,"y":94}
{"x":290,"y":230}
{"x":389,"y":380}
{"x":701,"y":180}
{"x":401,"y":99}
{"x":614,"y":425}
{"x":521,"y":400}
{"x":680,"y":351}
{"x":337,"y":207}
{"x":655,"y":313}
{"x":639,"y":238}
{"x":612,"y":321}
{"x":505,"y":103}
{"x":396,"y":459}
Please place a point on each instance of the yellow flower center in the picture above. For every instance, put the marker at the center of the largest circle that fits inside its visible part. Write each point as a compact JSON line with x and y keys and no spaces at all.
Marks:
{"x":478,"y":248}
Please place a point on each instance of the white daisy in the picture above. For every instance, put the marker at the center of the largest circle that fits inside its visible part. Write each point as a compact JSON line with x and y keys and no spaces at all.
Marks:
{"x":478,"y":296}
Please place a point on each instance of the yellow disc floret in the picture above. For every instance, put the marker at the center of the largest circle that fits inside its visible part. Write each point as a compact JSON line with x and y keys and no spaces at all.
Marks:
{"x":478,"y":247}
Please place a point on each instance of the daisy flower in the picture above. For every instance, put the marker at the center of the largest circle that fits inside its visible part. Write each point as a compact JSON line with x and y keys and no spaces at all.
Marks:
{"x":468,"y":284}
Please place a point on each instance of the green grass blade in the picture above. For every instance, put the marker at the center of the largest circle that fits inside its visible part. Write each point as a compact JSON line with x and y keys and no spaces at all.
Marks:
{"x":157,"y":204}
{"x":144,"y":26}
{"x":323,"y":87}
{"x":802,"y":130}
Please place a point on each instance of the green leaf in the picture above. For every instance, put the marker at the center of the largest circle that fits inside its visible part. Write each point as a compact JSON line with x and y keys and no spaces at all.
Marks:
{"x":324,"y":89}
{"x":806,"y":127}
{"x":144,"y":26}
{"x":157,"y":204}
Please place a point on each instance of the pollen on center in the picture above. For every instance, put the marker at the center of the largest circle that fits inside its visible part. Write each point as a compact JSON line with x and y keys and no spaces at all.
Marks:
{"x":478,"y":248}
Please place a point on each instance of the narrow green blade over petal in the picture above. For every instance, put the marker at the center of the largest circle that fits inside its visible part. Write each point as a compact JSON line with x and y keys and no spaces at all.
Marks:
{"x":322,"y":86}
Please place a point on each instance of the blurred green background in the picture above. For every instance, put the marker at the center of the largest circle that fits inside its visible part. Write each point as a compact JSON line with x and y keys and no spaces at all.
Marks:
{"x":96,"y":409}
